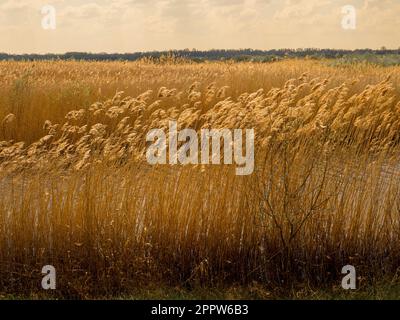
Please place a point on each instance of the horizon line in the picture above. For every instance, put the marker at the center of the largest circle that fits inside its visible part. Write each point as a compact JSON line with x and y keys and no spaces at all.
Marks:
{"x":383,"y":48}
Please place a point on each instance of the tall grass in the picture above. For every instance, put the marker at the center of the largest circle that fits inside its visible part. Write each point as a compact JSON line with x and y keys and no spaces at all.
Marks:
{"x":77,"y":193}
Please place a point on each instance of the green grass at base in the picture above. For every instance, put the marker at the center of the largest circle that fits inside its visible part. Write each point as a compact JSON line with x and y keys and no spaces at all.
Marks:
{"x":380,"y":291}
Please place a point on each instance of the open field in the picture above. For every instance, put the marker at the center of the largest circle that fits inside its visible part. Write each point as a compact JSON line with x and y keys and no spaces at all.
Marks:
{"x":77,"y":192}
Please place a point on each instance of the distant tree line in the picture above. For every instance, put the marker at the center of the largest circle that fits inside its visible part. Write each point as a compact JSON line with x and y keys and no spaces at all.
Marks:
{"x":211,"y":55}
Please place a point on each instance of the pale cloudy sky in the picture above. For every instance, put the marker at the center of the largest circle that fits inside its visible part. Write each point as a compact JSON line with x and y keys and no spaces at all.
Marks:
{"x":143,"y":25}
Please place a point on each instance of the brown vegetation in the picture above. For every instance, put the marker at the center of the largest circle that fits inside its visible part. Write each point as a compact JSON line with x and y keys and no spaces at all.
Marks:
{"x":77,"y":193}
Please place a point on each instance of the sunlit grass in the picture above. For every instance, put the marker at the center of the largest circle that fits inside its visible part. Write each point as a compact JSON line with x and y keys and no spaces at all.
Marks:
{"x":77,"y":192}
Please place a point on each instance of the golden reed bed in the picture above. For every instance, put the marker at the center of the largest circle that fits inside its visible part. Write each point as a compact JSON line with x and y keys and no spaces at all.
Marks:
{"x":77,"y":192}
